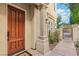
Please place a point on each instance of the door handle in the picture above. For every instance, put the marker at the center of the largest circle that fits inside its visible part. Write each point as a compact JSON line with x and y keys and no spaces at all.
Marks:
{"x":8,"y":35}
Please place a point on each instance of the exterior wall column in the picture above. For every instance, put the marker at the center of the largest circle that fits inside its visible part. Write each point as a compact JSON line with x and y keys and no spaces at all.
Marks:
{"x":43,"y":43}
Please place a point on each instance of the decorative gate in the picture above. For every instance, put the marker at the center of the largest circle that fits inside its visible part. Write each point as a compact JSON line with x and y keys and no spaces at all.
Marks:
{"x":67,"y":33}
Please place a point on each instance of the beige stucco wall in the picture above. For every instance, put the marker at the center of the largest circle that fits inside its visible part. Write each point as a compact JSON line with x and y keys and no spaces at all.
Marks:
{"x":52,"y":24}
{"x":3,"y":30}
{"x":75,"y":33}
{"x":51,"y":9}
{"x":36,"y":28}
{"x":52,"y":17}
{"x":21,"y":5}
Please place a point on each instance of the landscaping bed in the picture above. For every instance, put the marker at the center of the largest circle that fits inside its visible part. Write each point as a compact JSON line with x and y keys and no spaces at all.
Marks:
{"x":52,"y":46}
{"x":77,"y":47}
{"x":53,"y":39}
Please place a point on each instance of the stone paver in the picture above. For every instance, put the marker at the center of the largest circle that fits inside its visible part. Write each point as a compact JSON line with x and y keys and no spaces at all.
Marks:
{"x":34,"y":52}
{"x":64,"y":48}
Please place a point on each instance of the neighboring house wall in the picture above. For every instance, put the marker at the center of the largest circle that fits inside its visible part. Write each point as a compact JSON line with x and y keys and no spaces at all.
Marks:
{"x":52,"y":12}
{"x":51,"y":24}
{"x":51,"y":9}
{"x":75,"y":33}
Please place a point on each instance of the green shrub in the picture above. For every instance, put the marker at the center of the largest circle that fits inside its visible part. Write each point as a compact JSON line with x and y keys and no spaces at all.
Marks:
{"x":56,"y":36}
{"x":77,"y":44}
{"x":53,"y":37}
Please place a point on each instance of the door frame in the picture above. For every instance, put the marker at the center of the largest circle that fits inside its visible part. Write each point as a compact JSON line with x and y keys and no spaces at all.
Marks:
{"x":15,"y":6}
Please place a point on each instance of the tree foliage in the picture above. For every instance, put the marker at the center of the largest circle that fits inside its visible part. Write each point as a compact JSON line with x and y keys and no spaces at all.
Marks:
{"x":74,"y":7}
{"x":58,"y":21}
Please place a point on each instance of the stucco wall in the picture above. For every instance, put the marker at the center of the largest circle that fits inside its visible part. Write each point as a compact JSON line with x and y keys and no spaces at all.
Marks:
{"x":3,"y":30}
{"x":75,"y":33}
{"x":35,"y":27}
{"x":21,"y":5}
{"x":52,"y":24}
{"x":52,"y":11}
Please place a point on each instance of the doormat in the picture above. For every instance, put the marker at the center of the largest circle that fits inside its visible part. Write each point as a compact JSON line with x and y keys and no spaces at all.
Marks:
{"x":25,"y":53}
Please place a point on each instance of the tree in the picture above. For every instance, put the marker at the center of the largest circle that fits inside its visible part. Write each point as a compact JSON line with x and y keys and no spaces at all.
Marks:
{"x":58,"y":21}
{"x":74,"y":7}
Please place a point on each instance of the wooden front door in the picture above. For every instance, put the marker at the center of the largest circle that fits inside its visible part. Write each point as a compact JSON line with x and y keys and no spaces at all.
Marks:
{"x":16,"y":29}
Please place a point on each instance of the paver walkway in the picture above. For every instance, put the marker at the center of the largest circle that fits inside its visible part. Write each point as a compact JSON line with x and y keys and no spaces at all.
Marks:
{"x":64,"y":48}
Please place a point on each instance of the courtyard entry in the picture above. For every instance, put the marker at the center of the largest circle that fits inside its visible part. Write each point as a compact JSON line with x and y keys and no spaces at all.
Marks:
{"x":67,"y":33}
{"x":16,"y":30}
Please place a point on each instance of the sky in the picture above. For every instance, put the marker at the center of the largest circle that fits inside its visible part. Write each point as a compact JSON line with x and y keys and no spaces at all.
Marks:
{"x":63,"y":10}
